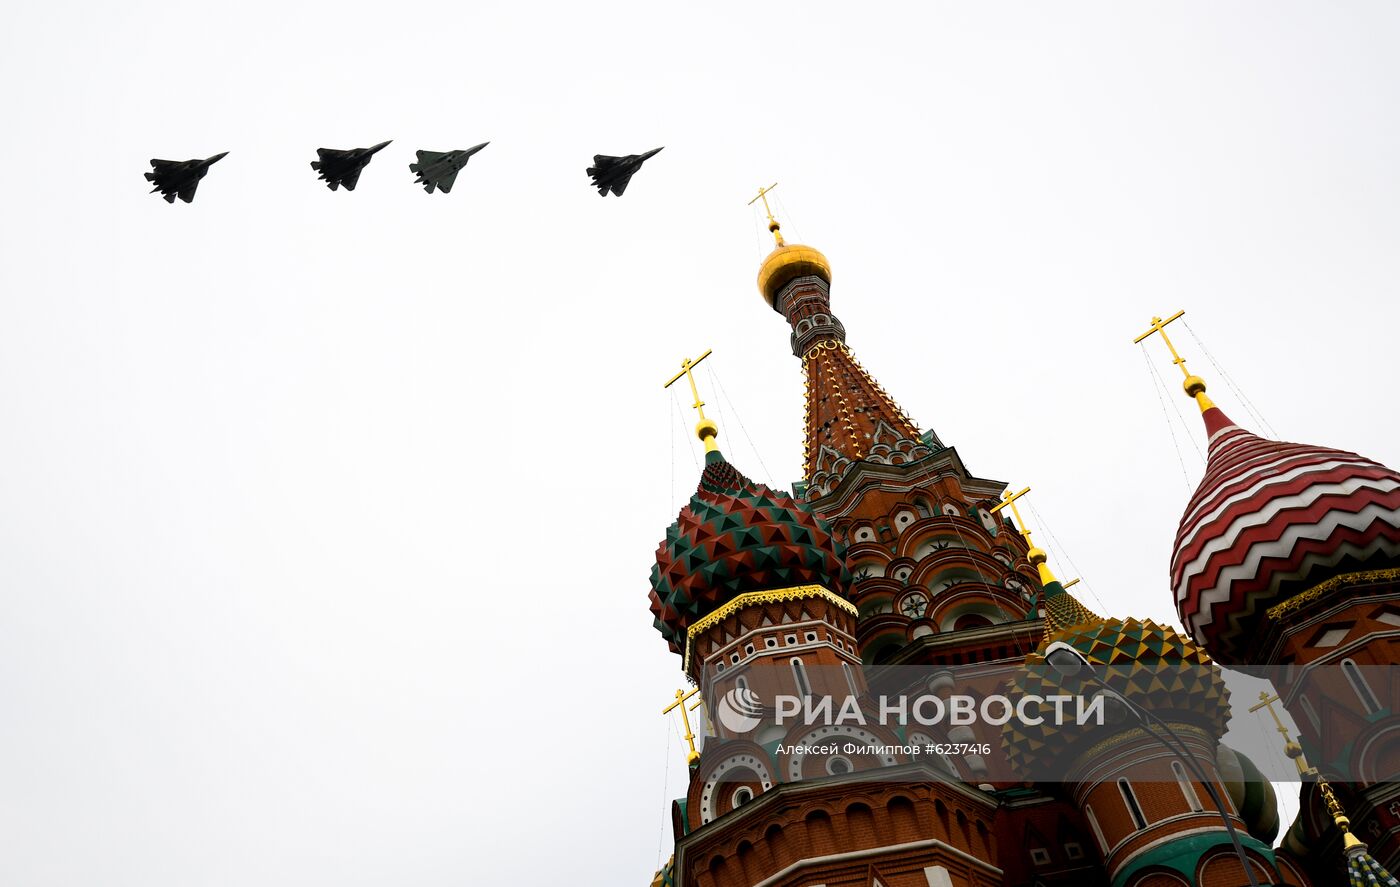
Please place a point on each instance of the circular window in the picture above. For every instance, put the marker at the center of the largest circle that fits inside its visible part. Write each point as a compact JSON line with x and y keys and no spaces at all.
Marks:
{"x":838,"y":766}
{"x":914,"y":605}
{"x":742,"y":795}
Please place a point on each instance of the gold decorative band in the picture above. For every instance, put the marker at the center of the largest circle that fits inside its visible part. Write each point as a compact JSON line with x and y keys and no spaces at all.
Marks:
{"x":1346,"y":580}
{"x":1135,"y":733}
{"x":754,"y":598}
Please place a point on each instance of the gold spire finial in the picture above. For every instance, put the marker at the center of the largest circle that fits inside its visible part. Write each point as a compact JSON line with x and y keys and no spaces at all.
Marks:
{"x":1195,"y":386}
{"x":705,"y":429}
{"x":1035,"y":555}
{"x":1295,"y":751}
{"x":772,"y":222}
{"x":682,"y":696}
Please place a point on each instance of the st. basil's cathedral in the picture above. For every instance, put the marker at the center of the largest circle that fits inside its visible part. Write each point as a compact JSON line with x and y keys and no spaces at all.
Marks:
{"x":892,"y":559}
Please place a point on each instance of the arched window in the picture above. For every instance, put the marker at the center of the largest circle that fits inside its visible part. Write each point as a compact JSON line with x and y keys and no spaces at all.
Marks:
{"x":850,"y":678}
{"x":1187,"y":788}
{"x":742,"y":683}
{"x":1134,"y":808}
{"x":1363,"y":690}
{"x":970,"y":620}
{"x":1310,"y":712}
{"x":799,"y":674}
{"x":1094,"y":825}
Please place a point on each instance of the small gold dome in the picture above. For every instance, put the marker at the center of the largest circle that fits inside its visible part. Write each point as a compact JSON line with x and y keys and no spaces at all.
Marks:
{"x":787,"y":263}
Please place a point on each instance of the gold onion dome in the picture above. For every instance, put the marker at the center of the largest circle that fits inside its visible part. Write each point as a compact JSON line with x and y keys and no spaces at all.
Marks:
{"x":787,"y":263}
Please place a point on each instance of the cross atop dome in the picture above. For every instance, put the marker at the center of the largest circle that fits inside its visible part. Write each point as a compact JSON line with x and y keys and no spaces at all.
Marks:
{"x":1195,"y":386}
{"x":705,"y":429}
{"x":772,"y":222}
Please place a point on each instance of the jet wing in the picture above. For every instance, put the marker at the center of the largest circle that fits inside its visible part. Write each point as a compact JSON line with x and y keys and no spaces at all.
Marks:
{"x":350,"y":178}
{"x":433,"y":173}
{"x":426,"y":158}
{"x":444,"y":183}
{"x":620,"y":185}
{"x":187,"y":192}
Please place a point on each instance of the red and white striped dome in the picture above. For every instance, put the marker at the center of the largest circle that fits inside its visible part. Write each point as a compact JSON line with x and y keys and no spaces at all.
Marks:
{"x":1270,"y":519}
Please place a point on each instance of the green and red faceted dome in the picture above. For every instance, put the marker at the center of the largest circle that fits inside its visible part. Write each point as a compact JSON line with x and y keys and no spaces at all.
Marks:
{"x":1270,"y":519}
{"x":737,"y":536}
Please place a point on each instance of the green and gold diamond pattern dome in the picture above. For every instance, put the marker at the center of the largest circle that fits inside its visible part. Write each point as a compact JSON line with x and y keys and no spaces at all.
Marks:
{"x":1153,"y":665}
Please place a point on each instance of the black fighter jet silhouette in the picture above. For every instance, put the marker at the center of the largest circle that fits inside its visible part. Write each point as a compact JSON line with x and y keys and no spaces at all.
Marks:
{"x":613,"y":173}
{"x":179,"y":178}
{"x":343,"y":167}
{"x":438,"y":169}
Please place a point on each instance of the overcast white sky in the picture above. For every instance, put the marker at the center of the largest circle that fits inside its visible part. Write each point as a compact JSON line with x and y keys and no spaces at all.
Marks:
{"x":325,"y":518}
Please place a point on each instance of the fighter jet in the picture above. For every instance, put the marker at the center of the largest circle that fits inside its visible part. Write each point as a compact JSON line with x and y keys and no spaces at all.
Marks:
{"x":179,"y":178}
{"x":343,"y":167}
{"x":439,"y":169}
{"x":613,"y":173}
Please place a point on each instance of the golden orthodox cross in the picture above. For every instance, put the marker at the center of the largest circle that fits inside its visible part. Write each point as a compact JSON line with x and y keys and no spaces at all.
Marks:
{"x":1195,"y":386}
{"x":763,"y":195}
{"x":1010,"y":498}
{"x":681,"y":698}
{"x":706,"y":430}
{"x":1160,"y":326}
{"x":1291,"y":748}
{"x":772,"y":222}
{"x":1329,"y":797}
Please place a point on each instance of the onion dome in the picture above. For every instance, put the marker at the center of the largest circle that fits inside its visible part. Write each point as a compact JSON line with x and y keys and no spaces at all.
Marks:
{"x":737,"y":536}
{"x":787,"y":263}
{"x":1153,"y":665}
{"x":1270,"y":519}
{"x":1251,"y":792}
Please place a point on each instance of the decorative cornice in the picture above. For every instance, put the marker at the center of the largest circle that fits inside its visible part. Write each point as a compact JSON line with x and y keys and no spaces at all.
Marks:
{"x":1346,"y":580}
{"x":755,"y":598}
{"x":1133,"y":734}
